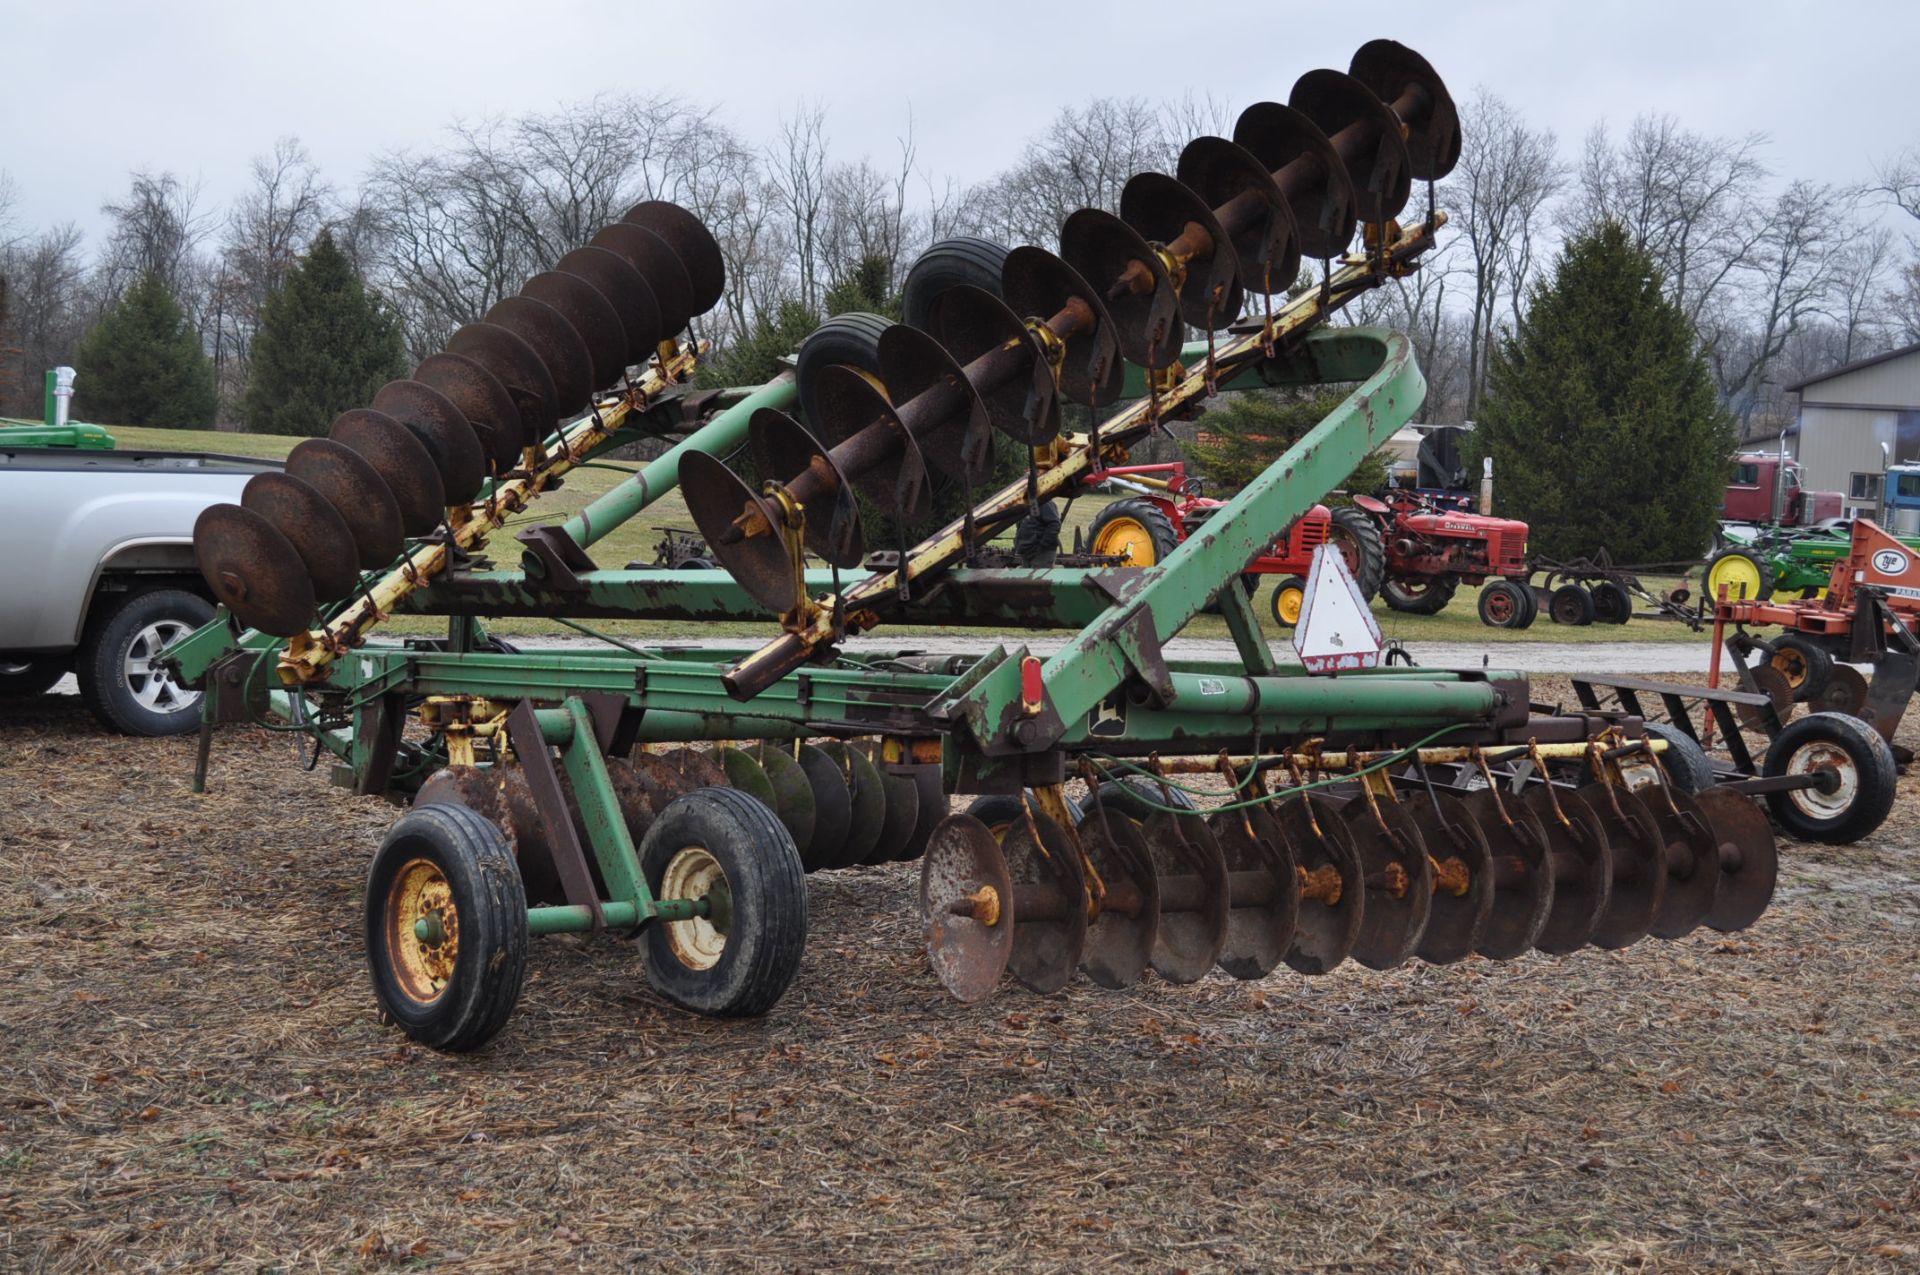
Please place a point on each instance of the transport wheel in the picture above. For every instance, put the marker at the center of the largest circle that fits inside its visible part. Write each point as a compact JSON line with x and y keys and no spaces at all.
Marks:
{"x":1862,"y":784}
{"x":1506,"y":605}
{"x":1572,"y":604}
{"x":117,"y":679}
{"x":1289,"y":597}
{"x":1745,"y":573}
{"x":1358,"y":537}
{"x":947,"y":264}
{"x":1612,"y":604}
{"x":853,"y":339}
{"x":446,"y":927}
{"x":1807,"y":666}
{"x":1137,"y":797}
{"x":25,"y":676}
{"x":721,"y":845}
{"x":1687,"y":763}
{"x":1001,"y":810}
{"x":1138,"y":530}
{"x":1420,"y":595}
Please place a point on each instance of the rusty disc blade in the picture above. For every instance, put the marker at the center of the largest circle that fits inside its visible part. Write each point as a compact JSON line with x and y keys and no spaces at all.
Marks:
{"x":870,"y":443}
{"x":589,"y":314}
{"x":867,"y":803}
{"x":746,"y":775}
{"x":715,"y":497}
{"x":933,"y":808}
{"x":1772,"y":683}
{"x":1394,"y":72}
{"x":792,"y":794}
{"x":487,"y":405}
{"x":1042,"y":288}
{"x":1194,"y":901}
{"x":1845,"y":692}
{"x":1163,"y":209}
{"x":636,"y":806}
{"x":401,"y":460}
{"x":1046,"y":948}
{"x":832,"y":808}
{"x":902,"y":804}
{"x":253,"y":571}
{"x":1308,"y":171}
{"x":1263,"y":892}
{"x":699,"y":769}
{"x":659,"y":265}
{"x":1023,"y":402}
{"x":560,"y":347}
{"x":1399,"y":880}
{"x":533,"y":852}
{"x":515,"y":365}
{"x":1251,"y":207}
{"x":1749,"y":859}
{"x":1639,"y":856}
{"x":312,"y":526}
{"x":443,"y":430}
{"x":1582,"y":868}
{"x":962,"y":861}
{"x":660,"y":781}
{"x":692,"y":243}
{"x":475,"y":787}
{"x":357,"y":493}
{"x":1120,"y":937}
{"x":1693,"y":863}
{"x":1333,"y":890}
{"x":937,"y":403}
{"x":626,"y":290}
{"x":1463,"y":880}
{"x":1522,"y":874}
{"x":1367,"y":136}
{"x":1131,"y":280}
{"x":784,"y":451}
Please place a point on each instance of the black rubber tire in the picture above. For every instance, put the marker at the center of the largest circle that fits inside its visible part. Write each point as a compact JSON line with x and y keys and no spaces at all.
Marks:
{"x":852,"y":338}
{"x":1875,"y":777}
{"x":1518,"y":596}
{"x":694,"y":564}
{"x":1572,"y":604}
{"x":1124,"y":796}
{"x":1279,"y":590}
{"x":999,"y":809}
{"x":491,"y":905}
{"x":1612,"y":604}
{"x":1686,"y":762}
{"x":768,"y":931}
{"x":1431,"y":600}
{"x":1761,"y":564}
{"x":946,"y":264}
{"x":25,"y":676}
{"x":101,"y":661}
{"x":1358,"y":526}
{"x":1149,"y":515}
{"x":1818,"y":665}
{"x":1533,"y":605}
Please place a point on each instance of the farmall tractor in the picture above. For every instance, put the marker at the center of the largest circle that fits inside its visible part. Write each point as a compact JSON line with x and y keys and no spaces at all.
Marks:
{"x":1431,"y":551}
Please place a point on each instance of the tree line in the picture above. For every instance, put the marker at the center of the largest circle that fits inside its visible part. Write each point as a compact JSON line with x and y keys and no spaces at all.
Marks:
{"x":1777,"y":276}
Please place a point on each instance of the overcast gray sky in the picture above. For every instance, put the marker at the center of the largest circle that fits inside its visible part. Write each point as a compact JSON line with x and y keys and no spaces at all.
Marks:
{"x":94,"y":89}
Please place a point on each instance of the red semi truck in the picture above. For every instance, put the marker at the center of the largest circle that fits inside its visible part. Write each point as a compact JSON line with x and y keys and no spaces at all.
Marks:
{"x":1759,"y":480}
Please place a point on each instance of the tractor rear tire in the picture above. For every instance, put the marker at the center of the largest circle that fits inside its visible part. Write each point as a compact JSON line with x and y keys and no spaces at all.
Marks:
{"x":1140,"y":529}
{"x":1867,"y":776}
{"x":1420,"y":595}
{"x":1289,"y":599}
{"x":1612,"y":604}
{"x":1507,"y":605}
{"x":947,"y":264}
{"x":1807,"y":665}
{"x":1358,"y":536}
{"x":736,"y":966}
{"x":1572,"y":604}
{"x":853,"y":339}
{"x":1744,"y":572}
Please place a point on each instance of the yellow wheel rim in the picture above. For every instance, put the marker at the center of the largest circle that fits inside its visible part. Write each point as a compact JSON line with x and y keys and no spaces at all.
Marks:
{"x":693,"y":873}
{"x":1792,"y":665}
{"x":1128,"y":538}
{"x":1288,"y":602}
{"x":420,"y":898}
{"x":1739,"y":573}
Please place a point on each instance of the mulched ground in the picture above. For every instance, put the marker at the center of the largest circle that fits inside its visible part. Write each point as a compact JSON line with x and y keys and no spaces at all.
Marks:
{"x":192,"y":1077}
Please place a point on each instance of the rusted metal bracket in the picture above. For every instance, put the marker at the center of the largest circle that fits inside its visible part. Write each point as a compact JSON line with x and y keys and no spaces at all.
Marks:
{"x":543,"y":780}
{"x":554,"y":557}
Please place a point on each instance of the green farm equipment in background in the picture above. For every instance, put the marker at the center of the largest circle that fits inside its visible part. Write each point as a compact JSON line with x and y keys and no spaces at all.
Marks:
{"x":1786,"y":562}
{"x":1383,"y":814}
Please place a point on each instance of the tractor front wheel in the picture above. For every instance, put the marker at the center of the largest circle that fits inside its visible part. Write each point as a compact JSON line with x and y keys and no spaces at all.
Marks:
{"x":1289,"y":599}
{"x":1742,"y":572}
{"x":1137,"y":530}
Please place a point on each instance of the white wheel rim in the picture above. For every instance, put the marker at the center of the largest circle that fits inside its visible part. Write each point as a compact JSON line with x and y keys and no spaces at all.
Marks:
{"x":1812,"y":758}
{"x":153,"y":688}
{"x":693,"y":873}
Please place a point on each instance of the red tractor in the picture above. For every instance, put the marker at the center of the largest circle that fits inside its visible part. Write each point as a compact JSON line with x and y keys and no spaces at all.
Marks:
{"x":1432,"y":550}
{"x":1147,"y":527}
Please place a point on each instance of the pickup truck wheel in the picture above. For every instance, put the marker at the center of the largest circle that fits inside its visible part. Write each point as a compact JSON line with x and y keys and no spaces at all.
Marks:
{"x":114,"y":664}
{"x":25,"y":676}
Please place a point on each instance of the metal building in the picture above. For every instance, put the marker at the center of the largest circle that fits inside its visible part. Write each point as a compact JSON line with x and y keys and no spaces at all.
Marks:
{"x":1847,"y":413}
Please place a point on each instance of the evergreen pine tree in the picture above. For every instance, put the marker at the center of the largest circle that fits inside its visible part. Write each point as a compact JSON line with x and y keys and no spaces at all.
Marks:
{"x":1244,"y":432}
{"x":142,"y":364}
{"x":1601,"y":415}
{"x":324,"y":345}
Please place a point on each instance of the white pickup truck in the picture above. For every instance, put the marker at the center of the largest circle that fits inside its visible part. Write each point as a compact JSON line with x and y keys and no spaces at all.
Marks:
{"x":97,"y":574}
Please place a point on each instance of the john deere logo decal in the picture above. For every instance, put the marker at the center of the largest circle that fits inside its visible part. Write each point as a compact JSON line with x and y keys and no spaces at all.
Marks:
{"x":1890,"y":562}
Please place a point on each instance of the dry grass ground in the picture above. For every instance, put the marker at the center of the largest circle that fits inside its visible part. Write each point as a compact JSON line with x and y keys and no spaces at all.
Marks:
{"x":192,"y":1078}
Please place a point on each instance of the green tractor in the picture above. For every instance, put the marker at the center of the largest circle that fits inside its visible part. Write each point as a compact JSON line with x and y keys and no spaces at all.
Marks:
{"x":1787,"y":561}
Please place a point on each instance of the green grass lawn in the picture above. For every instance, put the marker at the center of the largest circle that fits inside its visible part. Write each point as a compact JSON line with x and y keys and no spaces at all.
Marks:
{"x":635,"y":541}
